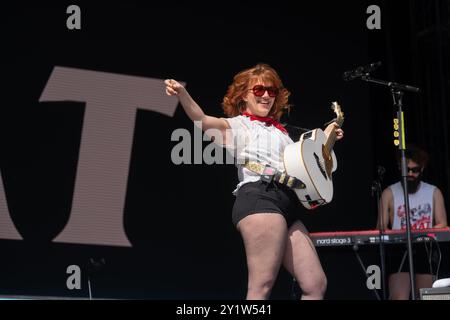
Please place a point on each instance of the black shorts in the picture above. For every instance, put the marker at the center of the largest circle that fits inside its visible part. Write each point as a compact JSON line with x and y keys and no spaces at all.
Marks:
{"x":263,"y":197}
{"x":421,"y":258}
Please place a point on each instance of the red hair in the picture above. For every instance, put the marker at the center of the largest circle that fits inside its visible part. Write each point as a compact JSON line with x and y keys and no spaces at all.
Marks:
{"x":233,"y":103}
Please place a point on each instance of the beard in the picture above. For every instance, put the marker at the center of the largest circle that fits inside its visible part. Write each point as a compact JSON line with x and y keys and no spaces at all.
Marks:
{"x":413,"y":184}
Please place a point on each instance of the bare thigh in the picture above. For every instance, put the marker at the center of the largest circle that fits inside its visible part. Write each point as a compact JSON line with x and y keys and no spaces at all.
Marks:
{"x":264,"y":236}
{"x":302,"y":261}
{"x":423,"y":281}
{"x":399,"y":286}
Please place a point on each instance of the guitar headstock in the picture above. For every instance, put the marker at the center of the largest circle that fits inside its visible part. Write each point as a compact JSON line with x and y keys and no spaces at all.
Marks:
{"x":338,"y":111}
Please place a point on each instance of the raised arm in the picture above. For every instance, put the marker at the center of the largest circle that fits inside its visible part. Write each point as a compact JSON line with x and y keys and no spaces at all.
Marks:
{"x":440,"y":216}
{"x":192,"y":109}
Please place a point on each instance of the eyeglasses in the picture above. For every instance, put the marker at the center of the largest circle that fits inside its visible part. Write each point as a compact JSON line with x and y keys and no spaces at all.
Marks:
{"x":414,"y":169}
{"x":259,"y":91}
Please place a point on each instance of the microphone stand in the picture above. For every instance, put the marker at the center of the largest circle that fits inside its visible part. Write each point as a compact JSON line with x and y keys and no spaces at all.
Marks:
{"x":397,"y":91}
{"x":376,"y":190}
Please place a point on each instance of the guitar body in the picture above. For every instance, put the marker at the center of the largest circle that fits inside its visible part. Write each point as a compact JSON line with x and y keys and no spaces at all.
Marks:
{"x":309,"y":161}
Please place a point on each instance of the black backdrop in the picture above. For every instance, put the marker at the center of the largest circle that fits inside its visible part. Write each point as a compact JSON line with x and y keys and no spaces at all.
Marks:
{"x":178,"y":218}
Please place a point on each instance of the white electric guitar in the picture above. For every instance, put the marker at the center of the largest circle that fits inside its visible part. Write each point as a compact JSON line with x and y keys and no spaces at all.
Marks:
{"x":312,"y":160}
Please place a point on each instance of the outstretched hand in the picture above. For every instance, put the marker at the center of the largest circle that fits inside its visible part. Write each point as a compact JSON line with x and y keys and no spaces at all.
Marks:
{"x":334,"y":127}
{"x":173,"y":87}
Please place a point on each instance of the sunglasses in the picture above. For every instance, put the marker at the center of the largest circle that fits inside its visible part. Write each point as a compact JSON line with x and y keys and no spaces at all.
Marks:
{"x":259,"y":91}
{"x":414,"y":169}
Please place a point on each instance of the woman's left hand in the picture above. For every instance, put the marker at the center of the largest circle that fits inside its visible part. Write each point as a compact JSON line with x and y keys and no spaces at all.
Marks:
{"x":334,"y":127}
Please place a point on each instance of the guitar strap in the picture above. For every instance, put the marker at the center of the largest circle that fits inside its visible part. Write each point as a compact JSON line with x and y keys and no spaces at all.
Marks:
{"x":270,"y":174}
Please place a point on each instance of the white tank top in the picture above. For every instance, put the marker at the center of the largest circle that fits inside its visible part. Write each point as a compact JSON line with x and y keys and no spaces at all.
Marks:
{"x":420,"y":205}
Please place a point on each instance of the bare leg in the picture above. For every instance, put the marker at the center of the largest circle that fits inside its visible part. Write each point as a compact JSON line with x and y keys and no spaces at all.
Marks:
{"x":423,"y":281}
{"x":264,"y":236}
{"x":302,"y":261}
{"x":399,"y":286}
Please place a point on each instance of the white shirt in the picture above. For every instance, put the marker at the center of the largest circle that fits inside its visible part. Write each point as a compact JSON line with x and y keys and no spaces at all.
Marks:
{"x":420,"y":205}
{"x":254,"y":141}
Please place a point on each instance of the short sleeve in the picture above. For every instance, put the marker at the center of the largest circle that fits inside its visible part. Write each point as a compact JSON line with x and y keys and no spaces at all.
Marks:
{"x":237,"y":136}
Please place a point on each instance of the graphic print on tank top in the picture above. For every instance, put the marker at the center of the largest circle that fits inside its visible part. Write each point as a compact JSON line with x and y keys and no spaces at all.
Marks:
{"x":420,"y":216}
{"x":420,"y":205}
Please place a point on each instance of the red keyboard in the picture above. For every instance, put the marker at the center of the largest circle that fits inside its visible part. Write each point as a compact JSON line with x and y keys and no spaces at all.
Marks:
{"x":350,"y":238}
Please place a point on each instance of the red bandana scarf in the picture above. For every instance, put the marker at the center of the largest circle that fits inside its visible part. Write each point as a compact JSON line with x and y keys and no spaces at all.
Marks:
{"x":269,"y":121}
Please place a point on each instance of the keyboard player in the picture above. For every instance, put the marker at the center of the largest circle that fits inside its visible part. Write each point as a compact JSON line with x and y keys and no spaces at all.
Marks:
{"x":427,"y":211}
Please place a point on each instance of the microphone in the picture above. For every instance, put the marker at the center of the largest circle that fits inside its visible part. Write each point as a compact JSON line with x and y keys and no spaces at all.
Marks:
{"x":360,"y":71}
